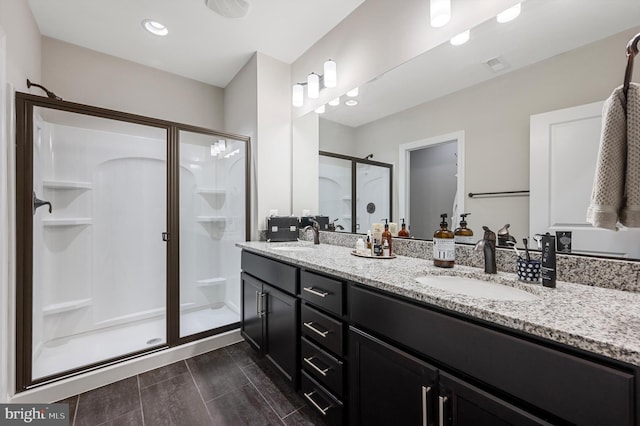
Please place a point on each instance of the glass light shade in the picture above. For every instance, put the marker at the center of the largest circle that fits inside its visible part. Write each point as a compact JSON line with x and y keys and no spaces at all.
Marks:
{"x":335,"y":102}
{"x":440,"y":12}
{"x":297,"y":95}
{"x":509,"y":14}
{"x":313,"y":86}
{"x":461,"y":38}
{"x":353,"y":92}
{"x":320,"y":109}
{"x":330,"y":74}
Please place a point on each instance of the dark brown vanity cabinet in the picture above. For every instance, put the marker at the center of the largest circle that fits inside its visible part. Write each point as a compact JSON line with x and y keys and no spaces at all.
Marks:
{"x":270,"y":311}
{"x":484,"y":376}
{"x":323,"y":345}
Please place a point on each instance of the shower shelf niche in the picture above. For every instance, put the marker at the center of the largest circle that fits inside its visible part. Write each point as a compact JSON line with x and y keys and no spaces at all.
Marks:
{"x":76,"y":221}
{"x":211,"y":191}
{"x":212,"y":219}
{"x":66,"y":184}
{"x":212,"y":282}
{"x":72,"y":305}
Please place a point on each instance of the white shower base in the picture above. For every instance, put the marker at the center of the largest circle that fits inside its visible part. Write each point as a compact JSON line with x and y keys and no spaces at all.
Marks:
{"x":65,"y":354}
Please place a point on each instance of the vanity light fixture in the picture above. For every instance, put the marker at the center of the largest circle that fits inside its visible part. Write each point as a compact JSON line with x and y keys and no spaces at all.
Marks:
{"x":320,"y":110}
{"x":351,"y":102}
{"x":314,"y":84}
{"x":440,"y":12}
{"x":509,"y":14}
{"x":335,"y":102}
{"x":154,"y":27}
{"x":461,"y":38}
{"x":353,"y":93}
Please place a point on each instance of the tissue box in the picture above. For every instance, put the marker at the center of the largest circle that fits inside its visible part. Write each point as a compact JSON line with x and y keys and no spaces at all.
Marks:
{"x":282,"y":228}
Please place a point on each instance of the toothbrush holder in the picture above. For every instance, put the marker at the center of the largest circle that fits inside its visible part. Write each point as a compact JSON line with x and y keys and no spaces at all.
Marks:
{"x":528,"y":271}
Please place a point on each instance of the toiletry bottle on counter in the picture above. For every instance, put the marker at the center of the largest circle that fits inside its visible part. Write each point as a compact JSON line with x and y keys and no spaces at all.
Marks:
{"x":386,"y":249}
{"x":360,"y":247}
{"x":548,"y":264}
{"x":463,"y":234}
{"x":444,"y":248}
{"x":386,"y":236}
{"x":369,"y":243}
{"x":403,"y":232}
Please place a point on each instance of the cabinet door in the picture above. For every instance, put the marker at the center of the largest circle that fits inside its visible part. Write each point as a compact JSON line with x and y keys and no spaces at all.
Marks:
{"x":281,"y":342}
{"x":388,"y":386}
{"x":252,"y":323}
{"x":461,"y":404}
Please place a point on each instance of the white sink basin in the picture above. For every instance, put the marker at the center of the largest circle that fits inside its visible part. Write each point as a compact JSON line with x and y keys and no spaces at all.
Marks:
{"x":476,"y":288}
{"x":292,"y":248}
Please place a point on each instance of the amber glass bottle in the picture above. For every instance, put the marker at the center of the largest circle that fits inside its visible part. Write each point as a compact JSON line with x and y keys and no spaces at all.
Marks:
{"x":403,"y":232}
{"x":386,"y":236}
{"x":463,"y":234}
{"x":444,"y":248}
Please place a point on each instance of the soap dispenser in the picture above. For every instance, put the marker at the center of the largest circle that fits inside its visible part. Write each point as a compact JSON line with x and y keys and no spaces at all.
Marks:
{"x":403,"y":232}
{"x":386,"y":236}
{"x":444,"y":248}
{"x":463,"y":234}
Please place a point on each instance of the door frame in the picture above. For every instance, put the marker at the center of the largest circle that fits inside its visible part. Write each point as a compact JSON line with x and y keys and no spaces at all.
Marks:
{"x":404,"y":152}
{"x":24,"y":105}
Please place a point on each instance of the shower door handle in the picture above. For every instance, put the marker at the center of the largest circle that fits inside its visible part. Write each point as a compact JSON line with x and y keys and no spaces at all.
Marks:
{"x":165,"y":236}
{"x":37,"y":203}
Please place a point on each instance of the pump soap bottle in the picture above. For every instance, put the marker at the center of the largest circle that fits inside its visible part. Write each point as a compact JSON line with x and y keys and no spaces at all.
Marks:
{"x":386,"y":236}
{"x":444,"y":248}
{"x":403,"y":232}
{"x":463,"y":234}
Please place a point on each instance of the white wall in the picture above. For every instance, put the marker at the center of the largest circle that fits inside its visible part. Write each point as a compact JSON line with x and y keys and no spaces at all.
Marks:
{"x":336,"y":137}
{"x":306,"y":140}
{"x":495,"y":118}
{"x":22,"y":42}
{"x":85,"y":76}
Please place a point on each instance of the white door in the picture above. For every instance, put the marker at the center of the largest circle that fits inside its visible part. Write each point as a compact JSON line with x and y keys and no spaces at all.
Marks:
{"x":564,"y":149}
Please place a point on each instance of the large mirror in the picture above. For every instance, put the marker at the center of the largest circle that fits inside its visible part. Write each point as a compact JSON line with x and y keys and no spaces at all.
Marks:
{"x":555,"y":55}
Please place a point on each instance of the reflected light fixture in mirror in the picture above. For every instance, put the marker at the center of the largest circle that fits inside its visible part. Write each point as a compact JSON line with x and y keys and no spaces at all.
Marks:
{"x":509,"y":14}
{"x":440,"y":12}
{"x":320,"y":109}
{"x":461,"y":38}
{"x":335,"y":102}
{"x":353,"y":92}
{"x":154,"y":27}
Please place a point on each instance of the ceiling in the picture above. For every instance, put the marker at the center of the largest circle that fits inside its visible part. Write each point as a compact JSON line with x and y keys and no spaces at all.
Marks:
{"x":201,"y":44}
{"x":544,"y":29}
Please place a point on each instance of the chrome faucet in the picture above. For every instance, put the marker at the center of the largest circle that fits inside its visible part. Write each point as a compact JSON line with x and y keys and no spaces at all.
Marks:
{"x":316,"y":230}
{"x":488,"y":246}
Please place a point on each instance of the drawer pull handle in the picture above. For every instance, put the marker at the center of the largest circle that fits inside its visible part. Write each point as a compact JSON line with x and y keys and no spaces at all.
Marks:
{"x":315,"y":292}
{"x":315,"y":404}
{"x":310,"y":326}
{"x":442,"y":401}
{"x":425,"y":405}
{"x":315,"y":367}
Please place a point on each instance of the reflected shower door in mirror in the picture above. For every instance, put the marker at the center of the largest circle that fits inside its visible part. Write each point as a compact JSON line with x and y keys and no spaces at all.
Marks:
{"x":212,"y":220}
{"x":343,"y":179}
{"x":98,"y":259}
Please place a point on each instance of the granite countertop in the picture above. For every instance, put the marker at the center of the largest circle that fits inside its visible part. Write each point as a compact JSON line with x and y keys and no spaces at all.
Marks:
{"x":598,"y":320}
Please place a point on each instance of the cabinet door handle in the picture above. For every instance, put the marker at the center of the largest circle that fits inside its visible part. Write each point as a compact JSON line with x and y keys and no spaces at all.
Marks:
{"x":442,"y":400}
{"x":258,"y":303}
{"x":261,"y":296}
{"x":310,"y":326}
{"x":315,"y":292}
{"x":425,"y":405}
{"x":315,"y":367}
{"x":315,"y":404}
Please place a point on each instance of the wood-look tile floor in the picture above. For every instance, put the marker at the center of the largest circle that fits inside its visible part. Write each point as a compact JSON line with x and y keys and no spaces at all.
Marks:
{"x":229,"y":386}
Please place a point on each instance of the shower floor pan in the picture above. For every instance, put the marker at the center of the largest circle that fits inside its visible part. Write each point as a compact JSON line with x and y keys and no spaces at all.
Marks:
{"x":69,"y":353}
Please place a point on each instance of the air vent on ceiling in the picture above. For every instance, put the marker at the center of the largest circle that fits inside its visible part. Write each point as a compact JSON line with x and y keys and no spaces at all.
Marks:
{"x":229,"y":8}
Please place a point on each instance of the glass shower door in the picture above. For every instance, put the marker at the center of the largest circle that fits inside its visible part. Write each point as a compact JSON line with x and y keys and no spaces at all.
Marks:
{"x":99,"y":260}
{"x":212,"y":220}
{"x":335,"y":190}
{"x":373,"y":189}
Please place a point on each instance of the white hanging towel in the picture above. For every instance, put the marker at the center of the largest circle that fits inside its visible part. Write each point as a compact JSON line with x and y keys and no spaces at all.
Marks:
{"x":616,"y":187}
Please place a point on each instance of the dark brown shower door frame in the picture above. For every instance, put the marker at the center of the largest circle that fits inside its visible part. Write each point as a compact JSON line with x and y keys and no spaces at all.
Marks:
{"x":24,"y":229}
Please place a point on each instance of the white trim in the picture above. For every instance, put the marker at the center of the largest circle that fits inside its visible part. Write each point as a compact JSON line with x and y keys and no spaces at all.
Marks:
{"x":4,"y":225}
{"x":403,"y":169}
{"x":94,"y":379}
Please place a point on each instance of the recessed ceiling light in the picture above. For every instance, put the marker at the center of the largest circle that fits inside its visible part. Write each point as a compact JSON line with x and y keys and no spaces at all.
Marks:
{"x":461,"y":38}
{"x":351,"y":102}
{"x":353,"y":92}
{"x":509,"y":14}
{"x":154,"y":27}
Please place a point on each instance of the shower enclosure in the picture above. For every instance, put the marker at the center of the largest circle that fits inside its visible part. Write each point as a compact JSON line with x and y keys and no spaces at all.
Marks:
{"x":126,"y":235}
{"x":344,"y":179}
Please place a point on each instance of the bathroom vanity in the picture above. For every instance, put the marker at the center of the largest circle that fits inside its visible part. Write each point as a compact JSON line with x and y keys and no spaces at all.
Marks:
{"x":374,"y":346}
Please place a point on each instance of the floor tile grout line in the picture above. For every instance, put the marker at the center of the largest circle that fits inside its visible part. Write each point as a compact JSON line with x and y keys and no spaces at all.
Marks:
{"x":198,"y":389}
{"x":75,"y":411}
{"x":140,"y":398}
{"x":260,"y":393}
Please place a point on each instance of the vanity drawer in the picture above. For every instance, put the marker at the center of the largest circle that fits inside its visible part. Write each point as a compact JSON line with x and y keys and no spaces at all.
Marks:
{"x":270,"y":271}
{"x":322,"y":329}
{"x":324,"y":367}
{"x":322,"y":291}
{"x":328,"y":408}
